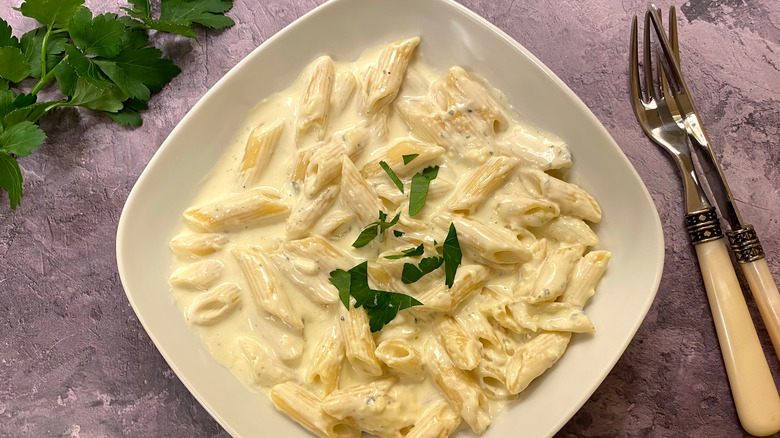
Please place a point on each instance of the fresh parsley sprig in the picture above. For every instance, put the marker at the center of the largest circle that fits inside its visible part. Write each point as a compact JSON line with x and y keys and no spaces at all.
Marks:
{"x":419,"y":191}
{"x":375,"y":229}
{"x":101,"y":62}
{"x":381,"y":306}
{"x":392,"y":175}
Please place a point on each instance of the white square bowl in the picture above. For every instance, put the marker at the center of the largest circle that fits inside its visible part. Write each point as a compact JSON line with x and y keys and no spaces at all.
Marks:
{"x":451,"y":35}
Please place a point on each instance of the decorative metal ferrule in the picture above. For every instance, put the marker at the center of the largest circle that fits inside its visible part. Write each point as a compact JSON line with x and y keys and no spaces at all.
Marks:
{"x":703,"y":226}
{"x":745,"y":245}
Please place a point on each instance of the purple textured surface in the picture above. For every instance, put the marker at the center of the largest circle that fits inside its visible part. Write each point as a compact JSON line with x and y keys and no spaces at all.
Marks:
{"x":75,"y":362}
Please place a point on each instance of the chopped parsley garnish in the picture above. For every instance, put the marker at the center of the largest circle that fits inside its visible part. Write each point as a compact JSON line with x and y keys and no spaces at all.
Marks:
{"x":452,"y":255}
{"x":374,"y":229}
{"x":412,"y":273}
{"x":392,"y":176}
{"x":397,"y":233}
{"x":408,"y":158}
{"x":419,"y":191}
{"x":411,"y":252}
{"x":381,"y":306}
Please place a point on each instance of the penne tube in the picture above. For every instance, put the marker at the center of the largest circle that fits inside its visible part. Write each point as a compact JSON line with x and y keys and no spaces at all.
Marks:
{"x":464,"y":93}
{"x":215,"y":305}
{"x":554,"y":273}
{"x":477,"y":187}
{"x":491,"y":378}
{"x":304,"y":407}
{"x":267,"y":369}
{"x":307,"y":263}
{"x":499,"y":307}
{"x":357,"y":194}
{"x":198,"y":275}
{"x":335,"y":224}
{"x":535,"y":149}
{"x":438,"y":421}
{"x":200,"y":244}
{"x":425,"y":120}
{"x":325,"y":368}
{"x":324,"y":166}
{"x":383,"y":82}
{"x":571,"y":199}
{"x":534,"y":358}
{"x":307,"y":211}
{"x":358,"y":341}
{"x":496,"y":245}
{"x":301,"y":164}
{"x":587,"y":273}
{"x":569,"y":230}
{"x":462,"y":392}
{"x":393,"y":156}
{"x":241,"y":210}
{"x":400,"y":357}
{"x":259,"y":148}
{"x":285,"y":341}
{"x":343,"y":89}
{"x":521,"y":212}
{"x":265,"y":286}
{"x":468,"y":279}
{"x":359,"y":401}
{"x":315,"y":103}
{"x":461,"y":348}
{"x":555,"y":317}
{"x":477,"y":324}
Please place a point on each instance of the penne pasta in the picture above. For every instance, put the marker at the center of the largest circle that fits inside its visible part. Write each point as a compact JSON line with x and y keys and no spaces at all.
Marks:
{"x":335,"y":224}
{"x":569,"y":230}
{"x":586,"y":275}
{"x":461,"y":348}
{"x":476,"y":188}
{"x":571,"y":199}
{"x":438,"y":421}
{"x":343,"y":89}
{"x":359,"y":401}
{"x":304,"y":407}
{"x":462,"y":392}
{"x":241,"y":210}
{"x":213,"y":306}
{"x":259,"y":148}
{"x":265,"y":286}
{"x":393,"y":156}
{"x":307,"y":211}
{"x":198,"y":275}
{"x":324,"y":165}
{"x":357,"y":194}
{"x":400,"y":357}
{"x":522,"y":212}
{"x":328,"y":357}
{"x":534,"y":358}
{"x":535,"y":149}
{"x":556,"y":317}
{"x":468,"y":279}
{"x":200,"y":244}
{"x":554,"y":273}
{"x":358,"y":341}
{"x":315,"y":103}
{"x":307,"y":264}
{"x":495,"y":245}
{"x":267,"y":369}
{"x":383,"y":82}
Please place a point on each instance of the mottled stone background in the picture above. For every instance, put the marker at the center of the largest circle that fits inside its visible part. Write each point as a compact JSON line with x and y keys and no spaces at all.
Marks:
{"x":75,"y":362}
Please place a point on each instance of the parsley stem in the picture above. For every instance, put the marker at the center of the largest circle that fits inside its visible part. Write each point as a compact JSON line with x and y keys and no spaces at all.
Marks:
{"x":43,"y":52}
{"x":45,"y":78}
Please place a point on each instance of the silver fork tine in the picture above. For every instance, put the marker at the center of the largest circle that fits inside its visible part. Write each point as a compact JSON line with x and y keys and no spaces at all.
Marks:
{"x":636,"y":87}
{"x":673,"y":42}
{"x":648,"y":61}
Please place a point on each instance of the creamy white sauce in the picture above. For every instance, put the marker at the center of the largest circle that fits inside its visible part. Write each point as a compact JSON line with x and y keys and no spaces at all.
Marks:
{"x":248,"y":320}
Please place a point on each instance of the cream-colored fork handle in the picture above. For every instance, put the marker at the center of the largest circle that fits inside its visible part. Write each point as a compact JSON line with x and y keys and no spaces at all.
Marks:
{"x":764,"y":290}
{"x":754,"y":392}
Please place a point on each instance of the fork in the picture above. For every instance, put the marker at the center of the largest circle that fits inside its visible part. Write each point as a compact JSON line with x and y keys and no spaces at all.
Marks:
{"x":752,"y":386}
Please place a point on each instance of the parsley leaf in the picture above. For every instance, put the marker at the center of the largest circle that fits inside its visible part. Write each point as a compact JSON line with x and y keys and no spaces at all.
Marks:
{"x":99,"y":36}
{"x":21,"y":139}
{"x":207,"y":13}
{"x":139,"y":72}
{"x":128,"y":115}
{"x":11,"y":178}
{"x":412,"y":273}
{"x":374,"y":229}
{"x":32,"y":45}
{"x":408,"y":158}
{"x":7,"y":39}
{"x":397,"y":233}
{"x":452,"y":255}
{"x":52,"y":13}
{"x":411,"y":252}
{"x":419,"y":191}
{"x":13,"y":66}
{"x":381,"y":306}
{"x":392,"y":175}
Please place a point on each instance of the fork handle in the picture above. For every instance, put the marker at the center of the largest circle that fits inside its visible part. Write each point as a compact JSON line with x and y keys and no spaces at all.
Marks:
{"x":752,"y":386}
{"x":748,"y":252}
